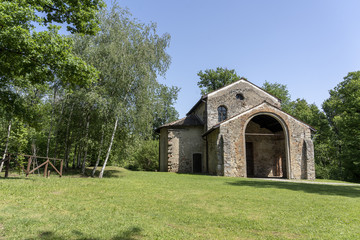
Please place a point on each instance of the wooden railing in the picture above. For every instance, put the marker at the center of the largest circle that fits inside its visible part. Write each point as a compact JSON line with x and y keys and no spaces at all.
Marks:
{"x":13,"y":157}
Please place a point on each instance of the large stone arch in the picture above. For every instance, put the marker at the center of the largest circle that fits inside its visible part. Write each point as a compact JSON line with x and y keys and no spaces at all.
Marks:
{"x":299,"y":158}
{"x":282,"y":149}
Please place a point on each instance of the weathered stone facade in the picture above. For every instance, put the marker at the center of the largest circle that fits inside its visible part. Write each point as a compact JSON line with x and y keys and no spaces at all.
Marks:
{"x":182,"y":144}
{"x":255,"y":139}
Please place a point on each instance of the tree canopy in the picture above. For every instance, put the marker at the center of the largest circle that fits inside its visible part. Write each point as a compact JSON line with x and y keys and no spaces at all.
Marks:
{"x":74,"y":97}
{"x":45,"y":56}
{"x":211,"y":79}
{"x":342,"y":109}
{"x":280,"y":91}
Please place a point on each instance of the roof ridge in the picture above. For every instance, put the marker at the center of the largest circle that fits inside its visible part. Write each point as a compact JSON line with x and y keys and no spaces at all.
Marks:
{"x":219,"y":89}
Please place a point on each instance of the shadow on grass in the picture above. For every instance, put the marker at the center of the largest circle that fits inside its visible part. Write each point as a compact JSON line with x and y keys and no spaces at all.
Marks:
{"x":14,"y":177}
{"x":130,"y":234}
{"x":110,"y":172}
{"x":334,"y":190}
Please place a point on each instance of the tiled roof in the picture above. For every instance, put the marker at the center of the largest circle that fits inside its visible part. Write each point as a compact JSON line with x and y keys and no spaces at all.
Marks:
{"x":190,"y":120}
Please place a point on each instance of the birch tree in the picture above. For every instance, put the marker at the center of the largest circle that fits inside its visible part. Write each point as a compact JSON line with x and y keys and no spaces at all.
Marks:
{"x":129,"y":56}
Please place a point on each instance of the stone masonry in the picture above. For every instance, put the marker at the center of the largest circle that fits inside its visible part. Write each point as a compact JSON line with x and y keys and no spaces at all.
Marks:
{"x":256,"y":137}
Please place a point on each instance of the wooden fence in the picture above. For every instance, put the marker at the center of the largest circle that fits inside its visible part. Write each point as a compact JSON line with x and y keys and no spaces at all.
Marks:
{"x":31,"y":159}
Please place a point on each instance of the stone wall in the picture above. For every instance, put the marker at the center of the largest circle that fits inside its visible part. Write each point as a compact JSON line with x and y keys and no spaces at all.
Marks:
{"x":200,"y":111}
{"x":182,"y":144}
{"x":163,"y":150}
{"x":215,"y":153}
{"x":299,"y":144}
{"x":253,"y":96}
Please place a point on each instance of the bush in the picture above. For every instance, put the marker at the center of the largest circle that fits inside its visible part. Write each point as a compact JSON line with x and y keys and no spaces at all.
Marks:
{"x":145,"y":157}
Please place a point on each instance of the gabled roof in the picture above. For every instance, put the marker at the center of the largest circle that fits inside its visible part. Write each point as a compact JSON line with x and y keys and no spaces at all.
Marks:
{"x":204,"y":97}
{"x":237,"y":115}
{"x":188,"y":121}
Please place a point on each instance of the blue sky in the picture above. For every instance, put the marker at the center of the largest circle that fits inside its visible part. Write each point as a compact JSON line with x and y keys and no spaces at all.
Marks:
{"x":309,"y":45}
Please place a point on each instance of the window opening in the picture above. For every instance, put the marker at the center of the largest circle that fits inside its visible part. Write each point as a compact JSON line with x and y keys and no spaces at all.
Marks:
{"x":240,"y":96}
{"x":222,"y":113}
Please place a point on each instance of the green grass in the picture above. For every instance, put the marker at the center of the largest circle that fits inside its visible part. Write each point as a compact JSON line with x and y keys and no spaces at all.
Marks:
{"x":154,"y":205}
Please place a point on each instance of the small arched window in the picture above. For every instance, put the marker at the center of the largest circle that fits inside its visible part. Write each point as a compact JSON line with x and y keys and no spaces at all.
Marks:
{"x":222,"y":113}
{"x":240,"y":96}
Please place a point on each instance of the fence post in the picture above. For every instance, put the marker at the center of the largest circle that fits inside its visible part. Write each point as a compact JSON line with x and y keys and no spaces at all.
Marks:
{"x":61,"y":167}
{"x":28,"y":167}
{"x":46,"y":167}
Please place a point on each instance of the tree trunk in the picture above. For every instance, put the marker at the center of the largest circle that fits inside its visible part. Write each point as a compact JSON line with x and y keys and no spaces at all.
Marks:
{"x":57,"y":127}
{"x":98,"y":158}
{"x":51,"y":123}
{"x":68,"y":148}
{"x":78,"y":163}
{"x":86,"y":144}
{"x":67,"y":145}
{"x":34,"y":159}
{"x":109,"y":150}
{"x":75,"y":154}
{"x":113,"y":134}
{"x":6,"y":146}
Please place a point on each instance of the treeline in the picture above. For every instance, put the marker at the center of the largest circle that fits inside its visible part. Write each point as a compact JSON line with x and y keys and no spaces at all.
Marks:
{"x":99,"y":106}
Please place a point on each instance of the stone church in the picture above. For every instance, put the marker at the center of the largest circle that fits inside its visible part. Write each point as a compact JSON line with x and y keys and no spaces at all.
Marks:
{"x":238,"y":131}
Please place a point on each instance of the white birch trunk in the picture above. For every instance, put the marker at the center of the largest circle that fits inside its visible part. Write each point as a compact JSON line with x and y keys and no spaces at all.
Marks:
{"x":67,"y":145}
{"x":34,"y":160}
{"x":99,"y":155}
{"x":57,"y":126}
{"x":6,"y":146}
{"x":51,"y":123}
{"x":86,"y":145}
{"x":109,"y":150}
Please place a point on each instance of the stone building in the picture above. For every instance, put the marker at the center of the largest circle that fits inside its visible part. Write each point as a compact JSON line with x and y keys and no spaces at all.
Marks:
{"x":239,"y":131}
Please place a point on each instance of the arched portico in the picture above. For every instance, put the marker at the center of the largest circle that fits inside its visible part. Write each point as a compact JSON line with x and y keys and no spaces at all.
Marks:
{"x":266,"y":146}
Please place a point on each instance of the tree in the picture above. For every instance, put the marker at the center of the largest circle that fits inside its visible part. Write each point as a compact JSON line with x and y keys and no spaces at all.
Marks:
{"x":164,"y":111}
{"x":280,"y":91}
{"x":211,"y":79}
{"x":130,"y":56}
{"x":46,"y":56}
{"x":31,"y":60}
{"x":342,"y":109}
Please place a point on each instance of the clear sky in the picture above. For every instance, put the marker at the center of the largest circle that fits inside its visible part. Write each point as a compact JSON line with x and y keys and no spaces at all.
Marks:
{"x":309,"y":45}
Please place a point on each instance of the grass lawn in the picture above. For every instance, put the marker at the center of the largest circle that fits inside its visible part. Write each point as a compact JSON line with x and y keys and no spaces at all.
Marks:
{"x":155,"y":205}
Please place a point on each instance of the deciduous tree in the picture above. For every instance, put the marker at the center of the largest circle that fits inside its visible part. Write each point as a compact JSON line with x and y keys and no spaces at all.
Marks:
{"x":211,"y":79}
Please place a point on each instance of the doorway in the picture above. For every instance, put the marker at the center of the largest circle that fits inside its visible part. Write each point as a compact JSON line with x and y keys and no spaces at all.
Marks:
{"x":197,"y":166}
{"x":265,"y":147}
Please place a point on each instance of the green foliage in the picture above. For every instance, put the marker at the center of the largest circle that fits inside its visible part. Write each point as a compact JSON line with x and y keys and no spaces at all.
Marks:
{"x":342,"y":110}
{"x":156,"y":205}
{"x":70,"y":110}
{"x":324,"y":149}
{"x":280,"y":91}
{"x":43,"y":57}
{"x":145,"y":156}
{"x":164,"y":111}
{"x":211,"y":79}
